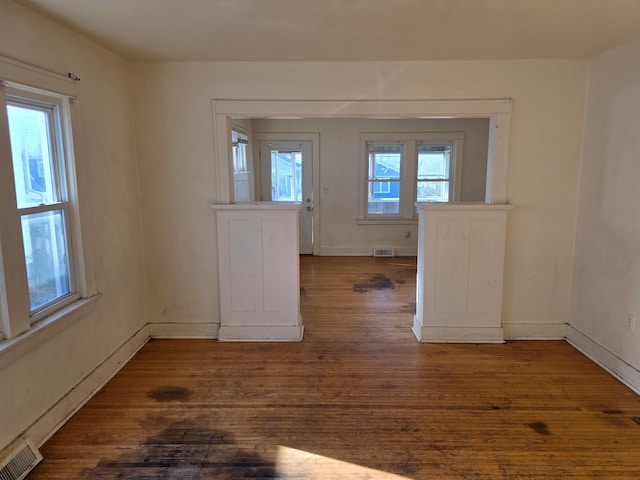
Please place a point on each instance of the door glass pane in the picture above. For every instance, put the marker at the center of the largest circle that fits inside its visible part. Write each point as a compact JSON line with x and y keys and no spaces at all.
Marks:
{"x":45,"y":248}
{"x":31,"y":150}
{"x":286,"y":176}
{"x":384,"y":165}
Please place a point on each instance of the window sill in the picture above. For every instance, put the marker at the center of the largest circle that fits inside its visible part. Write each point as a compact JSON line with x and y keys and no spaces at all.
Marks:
{"x":14,"y":348}
{"x":387,"y":221}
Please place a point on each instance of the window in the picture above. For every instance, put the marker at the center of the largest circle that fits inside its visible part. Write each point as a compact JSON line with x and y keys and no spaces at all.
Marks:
{"x":384,"y":164}
{"x":286,"y":176}
{"x":40,"y":251}
{"x":434,"y":172}
{"x":401,"y":169}
{"x":239,"y":142}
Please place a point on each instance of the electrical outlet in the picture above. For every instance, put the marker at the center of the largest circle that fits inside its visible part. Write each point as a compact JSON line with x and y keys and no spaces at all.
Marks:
{"x":631,"y":322}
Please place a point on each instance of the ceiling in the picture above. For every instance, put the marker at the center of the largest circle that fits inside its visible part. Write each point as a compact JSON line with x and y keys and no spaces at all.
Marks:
{"x":349,"y":30}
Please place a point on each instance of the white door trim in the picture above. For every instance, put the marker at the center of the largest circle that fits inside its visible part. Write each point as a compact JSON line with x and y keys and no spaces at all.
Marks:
{"x":314,"y":138}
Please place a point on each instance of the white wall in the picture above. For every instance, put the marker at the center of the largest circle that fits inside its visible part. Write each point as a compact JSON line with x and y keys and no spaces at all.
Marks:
{"x":606,"y":273}
{"x":340,"y":176}
{"x":33,"y":386}
{"x":174,"y":125}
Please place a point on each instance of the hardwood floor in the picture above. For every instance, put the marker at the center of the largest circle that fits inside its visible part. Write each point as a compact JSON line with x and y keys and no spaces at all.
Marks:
{"x":359,"y":398}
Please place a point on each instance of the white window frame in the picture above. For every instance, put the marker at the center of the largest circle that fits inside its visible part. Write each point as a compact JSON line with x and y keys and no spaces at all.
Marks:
{"x":17,"y":322}
{"x":239,"y":144}
{"x":408,"y":175}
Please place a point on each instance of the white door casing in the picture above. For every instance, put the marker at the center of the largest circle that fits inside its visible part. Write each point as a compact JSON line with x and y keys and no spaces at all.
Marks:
{"x":306,"y":198}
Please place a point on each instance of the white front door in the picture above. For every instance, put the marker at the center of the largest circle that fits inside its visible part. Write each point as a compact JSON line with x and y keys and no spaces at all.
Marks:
{"x":287,"y":176}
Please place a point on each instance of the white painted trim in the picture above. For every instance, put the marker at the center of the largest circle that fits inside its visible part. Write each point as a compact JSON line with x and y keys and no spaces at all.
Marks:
{"x":498,"y":110}
{"x":183,"y":330}
{"x":264,"y":333}
{"x":534,"y":331}
{"x":426,"y":334}
{"x":24,"y":74}
{"x":54,"y":418}
{"x":314,"y":138}
{"x":43,"y":331}
{"x":608,"y":360}
{"x":338,"y":251}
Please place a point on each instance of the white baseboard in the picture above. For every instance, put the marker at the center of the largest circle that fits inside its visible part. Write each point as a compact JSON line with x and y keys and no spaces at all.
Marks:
{"x":608,"y":360}
{"x":363,"y":251}
{"x":430,"y":334}
{"x":261,"y":333}
{"x":54,"y":418}
{"x":534,"y":331}
{"x":183,"y":330}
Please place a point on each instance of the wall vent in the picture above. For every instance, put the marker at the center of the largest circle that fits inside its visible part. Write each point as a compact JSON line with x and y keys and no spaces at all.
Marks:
{"x":20,"y":461}
{"x":383,"y":252}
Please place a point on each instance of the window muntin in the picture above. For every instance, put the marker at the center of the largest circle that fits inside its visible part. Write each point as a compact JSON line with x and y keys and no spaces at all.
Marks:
{"x":384,"y":167}
{"x":39,"y":169}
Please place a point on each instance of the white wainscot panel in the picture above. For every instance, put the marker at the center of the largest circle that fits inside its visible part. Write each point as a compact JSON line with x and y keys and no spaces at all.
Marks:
{"x":460,"y":273}
{"x":258,"y":268}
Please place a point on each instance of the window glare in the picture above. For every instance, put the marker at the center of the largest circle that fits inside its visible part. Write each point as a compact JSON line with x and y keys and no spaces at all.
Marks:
{"x":31,"y":153}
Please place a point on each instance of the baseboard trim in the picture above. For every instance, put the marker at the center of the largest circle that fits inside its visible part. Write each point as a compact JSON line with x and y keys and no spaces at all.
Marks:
{"x":54,"y":418}
{"x":363,"y":251}
{"x":534,"y":331}
{"x":184,"y":330}
{"x":263,"y":333}
{"x":608,"y":360}
{"x":431,"y":334}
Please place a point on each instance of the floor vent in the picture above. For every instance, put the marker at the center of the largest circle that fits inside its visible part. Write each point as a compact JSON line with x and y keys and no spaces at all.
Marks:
{"x":20,"y":461}
{"x":383,"y":252}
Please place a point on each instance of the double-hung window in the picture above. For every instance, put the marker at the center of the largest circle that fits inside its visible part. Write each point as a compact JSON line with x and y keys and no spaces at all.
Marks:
{"x":384,"y":166}
{"x":40,"y":247}
{"x":401,"y":169}
{"x":435,"y":176}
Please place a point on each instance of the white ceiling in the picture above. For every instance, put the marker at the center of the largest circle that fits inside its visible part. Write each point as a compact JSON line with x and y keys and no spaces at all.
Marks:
{"x":349,"y":30}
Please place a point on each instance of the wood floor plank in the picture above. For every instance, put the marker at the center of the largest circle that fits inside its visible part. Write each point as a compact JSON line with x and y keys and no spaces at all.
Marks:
{"x":359,"y":398}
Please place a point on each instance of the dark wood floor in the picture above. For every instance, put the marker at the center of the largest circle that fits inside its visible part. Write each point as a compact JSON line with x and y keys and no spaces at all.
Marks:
{"x":359,"y":398}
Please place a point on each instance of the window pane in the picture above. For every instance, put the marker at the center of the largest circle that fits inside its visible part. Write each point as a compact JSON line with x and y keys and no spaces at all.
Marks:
{"x":45,"y":247}
{"x":429,"y":191}
{"x":32,"y":158}
{"x":384,"y":167}
{"x":286,"y":176}
{"x":433,"y":161}
{"x":384,"y":198}
{"x":384,"y":161}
